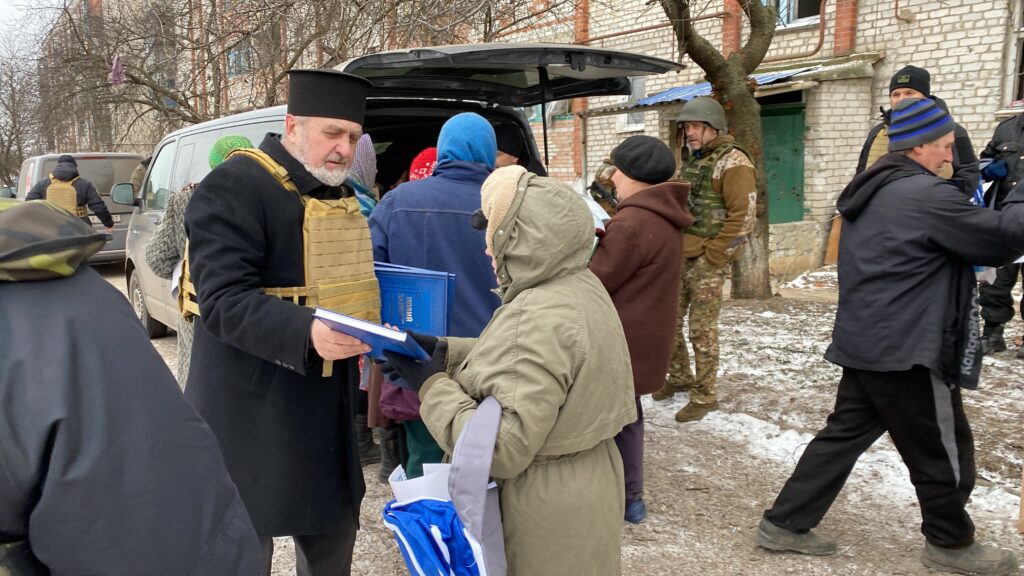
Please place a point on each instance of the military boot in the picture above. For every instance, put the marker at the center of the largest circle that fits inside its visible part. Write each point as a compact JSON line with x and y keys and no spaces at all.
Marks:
{"x":390,"y":450}
{"x":992,"y":339}
{"x":694,"y":411}
{"x":671,"y":387}
{"x":369,"y":452}
{"x":982,"y":559}
{"x":779,"y":539}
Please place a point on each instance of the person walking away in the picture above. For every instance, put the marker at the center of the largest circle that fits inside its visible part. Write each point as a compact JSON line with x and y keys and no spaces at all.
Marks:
{"x":555,"y":357}
{"x":906,"y":335}
{"x":106,"y":468}
{"x":723,"y":191}
{"x":1006,"y":169}
{"x":276,"y":386}
{"x":66,"y":189}
{"x":426,"y":224}
{"x":166,"y":248}
{"x":638,"y":261}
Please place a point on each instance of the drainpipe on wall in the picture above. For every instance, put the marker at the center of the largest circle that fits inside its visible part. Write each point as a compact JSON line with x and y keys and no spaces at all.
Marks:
{"x":579,"y":132}
{"x":906,"y":15}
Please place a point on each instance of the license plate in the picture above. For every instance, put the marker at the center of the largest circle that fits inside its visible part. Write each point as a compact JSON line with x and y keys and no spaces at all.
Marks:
{"x":96,"y":220}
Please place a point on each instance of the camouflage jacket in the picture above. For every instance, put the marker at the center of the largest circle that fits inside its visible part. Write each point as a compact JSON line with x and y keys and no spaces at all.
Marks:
{"x":39,"y":241}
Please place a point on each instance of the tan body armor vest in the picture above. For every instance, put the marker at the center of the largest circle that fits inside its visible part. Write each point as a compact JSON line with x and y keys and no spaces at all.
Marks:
{"x":337,"y":255}
{"x":64,"y":195}
{"x":707,"y":206}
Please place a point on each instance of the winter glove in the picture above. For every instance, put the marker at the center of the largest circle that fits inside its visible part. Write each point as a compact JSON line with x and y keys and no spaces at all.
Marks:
{"x":996,"y":170}
{"x":409,"y":373}
{"x":428,"y":343}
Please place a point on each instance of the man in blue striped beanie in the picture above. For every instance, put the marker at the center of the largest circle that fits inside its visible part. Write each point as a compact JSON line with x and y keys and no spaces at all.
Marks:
{"x":906,"y":335}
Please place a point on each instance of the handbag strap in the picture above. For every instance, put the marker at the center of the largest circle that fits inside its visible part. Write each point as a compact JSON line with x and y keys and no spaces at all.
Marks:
{"x":470,"y":471}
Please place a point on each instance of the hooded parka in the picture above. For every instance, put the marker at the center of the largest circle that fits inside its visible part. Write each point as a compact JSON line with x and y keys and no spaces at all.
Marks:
{"x":555,"y":357}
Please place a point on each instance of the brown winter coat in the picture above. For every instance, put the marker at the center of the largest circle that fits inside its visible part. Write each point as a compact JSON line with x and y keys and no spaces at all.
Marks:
{"x":555,"y":357}
{"x":638,"y":261}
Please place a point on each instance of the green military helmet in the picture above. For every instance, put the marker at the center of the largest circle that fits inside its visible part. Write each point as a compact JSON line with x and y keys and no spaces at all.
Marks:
{"x":703,"y":109}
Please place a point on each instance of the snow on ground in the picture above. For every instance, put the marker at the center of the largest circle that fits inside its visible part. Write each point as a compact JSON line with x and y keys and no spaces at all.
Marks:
{"x":708,"y":482}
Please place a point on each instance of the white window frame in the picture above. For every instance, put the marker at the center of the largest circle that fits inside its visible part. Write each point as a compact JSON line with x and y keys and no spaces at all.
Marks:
{"x":787,"y":10}
{"x":1013,"y":87}
{"x":633,"y":121}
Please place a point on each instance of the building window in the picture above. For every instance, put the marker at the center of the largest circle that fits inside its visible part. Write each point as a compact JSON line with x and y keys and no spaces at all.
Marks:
{"x":240,"y":58}
{"x":1013,"y":56}
{"x":796,"y":11}
{"x":633,"y":121}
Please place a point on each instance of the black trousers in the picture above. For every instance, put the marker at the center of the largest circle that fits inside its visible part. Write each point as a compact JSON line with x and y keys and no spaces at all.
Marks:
{"x":327,"y":554}
{"x":995,"y":299}
{"x":630,"y":441}
{"x":926,"y":421}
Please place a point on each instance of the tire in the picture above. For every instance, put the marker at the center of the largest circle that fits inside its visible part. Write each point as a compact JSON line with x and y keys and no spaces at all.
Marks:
{"x":138,"y":300}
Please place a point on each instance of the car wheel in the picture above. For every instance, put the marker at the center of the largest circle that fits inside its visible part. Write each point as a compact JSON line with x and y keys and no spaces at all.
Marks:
{"x":153,"y":327}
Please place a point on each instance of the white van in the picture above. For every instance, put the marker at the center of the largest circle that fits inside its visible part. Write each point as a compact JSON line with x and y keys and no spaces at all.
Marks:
{"x":414,"y":92}
{"x":103,"y":169}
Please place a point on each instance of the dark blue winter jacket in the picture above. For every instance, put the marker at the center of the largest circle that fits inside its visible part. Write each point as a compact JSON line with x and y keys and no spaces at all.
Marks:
{"x":425,"y":223}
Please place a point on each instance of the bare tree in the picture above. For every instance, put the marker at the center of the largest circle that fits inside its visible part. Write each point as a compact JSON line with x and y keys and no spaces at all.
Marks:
{"x":151,"y":66}
{"x":730,"y":83}
{"x":19,"y":121}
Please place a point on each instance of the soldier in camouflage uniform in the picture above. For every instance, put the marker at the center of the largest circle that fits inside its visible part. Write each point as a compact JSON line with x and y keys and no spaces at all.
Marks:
{"x":722,"y":199}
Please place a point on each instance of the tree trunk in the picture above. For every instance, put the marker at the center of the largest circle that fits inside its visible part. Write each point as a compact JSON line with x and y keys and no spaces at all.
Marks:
{"x":751,"y":272}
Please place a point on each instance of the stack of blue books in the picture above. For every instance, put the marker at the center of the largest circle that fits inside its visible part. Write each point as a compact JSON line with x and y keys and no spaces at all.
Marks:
{"x":415,"y":299}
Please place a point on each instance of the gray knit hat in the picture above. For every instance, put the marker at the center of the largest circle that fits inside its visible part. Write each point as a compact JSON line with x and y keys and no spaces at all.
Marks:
{"x":917,"y":121}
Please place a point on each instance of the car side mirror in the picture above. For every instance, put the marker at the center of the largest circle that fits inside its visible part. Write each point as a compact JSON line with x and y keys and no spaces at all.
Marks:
{"x":123,"y":193}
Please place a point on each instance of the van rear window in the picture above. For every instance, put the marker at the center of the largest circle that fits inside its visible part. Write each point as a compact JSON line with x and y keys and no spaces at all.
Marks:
{"x":102,"y":171}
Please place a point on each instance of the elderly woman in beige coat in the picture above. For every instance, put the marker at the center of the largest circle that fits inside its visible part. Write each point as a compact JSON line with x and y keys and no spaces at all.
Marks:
{"x":555,"y":358}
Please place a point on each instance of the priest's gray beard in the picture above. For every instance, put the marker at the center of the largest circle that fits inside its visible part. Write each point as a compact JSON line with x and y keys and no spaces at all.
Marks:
{"x":328,"y":177}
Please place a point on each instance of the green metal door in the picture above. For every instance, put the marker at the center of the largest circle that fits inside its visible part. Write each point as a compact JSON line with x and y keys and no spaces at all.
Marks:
{"x":782,"y":129}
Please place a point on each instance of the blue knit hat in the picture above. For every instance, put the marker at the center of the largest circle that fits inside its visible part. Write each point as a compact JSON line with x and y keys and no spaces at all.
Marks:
{"x":917,"y":121}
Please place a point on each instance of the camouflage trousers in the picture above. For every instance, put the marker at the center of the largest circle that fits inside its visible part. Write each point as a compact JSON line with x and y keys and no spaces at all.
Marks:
{"x":700,"y":300}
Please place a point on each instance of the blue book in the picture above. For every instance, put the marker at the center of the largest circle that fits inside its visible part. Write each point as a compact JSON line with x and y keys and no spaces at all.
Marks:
{"x":415,"y":299}
{"x":380,"y":338}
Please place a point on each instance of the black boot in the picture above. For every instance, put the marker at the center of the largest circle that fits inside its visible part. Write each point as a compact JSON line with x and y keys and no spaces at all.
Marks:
{"x":369,"y":452}
{"x":390,"y":450}
{"x":992,"y":339}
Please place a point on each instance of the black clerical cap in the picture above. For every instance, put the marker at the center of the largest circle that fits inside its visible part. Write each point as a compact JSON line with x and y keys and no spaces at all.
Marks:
{"x":327,"y":94}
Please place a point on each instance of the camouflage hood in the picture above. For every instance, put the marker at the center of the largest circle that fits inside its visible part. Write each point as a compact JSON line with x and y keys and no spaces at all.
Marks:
{"x":39,"y":241}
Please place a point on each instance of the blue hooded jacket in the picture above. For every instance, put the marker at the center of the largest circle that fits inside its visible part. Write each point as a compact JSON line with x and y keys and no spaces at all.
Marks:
{"x":426,"y":223}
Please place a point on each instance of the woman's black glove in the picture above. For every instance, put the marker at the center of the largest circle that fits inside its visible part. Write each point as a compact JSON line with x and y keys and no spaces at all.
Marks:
{"x":399,"y":368}
{"x":426,"y":342}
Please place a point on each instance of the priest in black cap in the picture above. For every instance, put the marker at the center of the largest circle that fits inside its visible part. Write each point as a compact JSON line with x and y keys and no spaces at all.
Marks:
{"x":258,"y":360}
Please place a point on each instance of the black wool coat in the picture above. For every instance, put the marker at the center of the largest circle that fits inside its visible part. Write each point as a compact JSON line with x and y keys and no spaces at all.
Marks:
{"x":286,"y":433}
{"x":104,"y":468}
